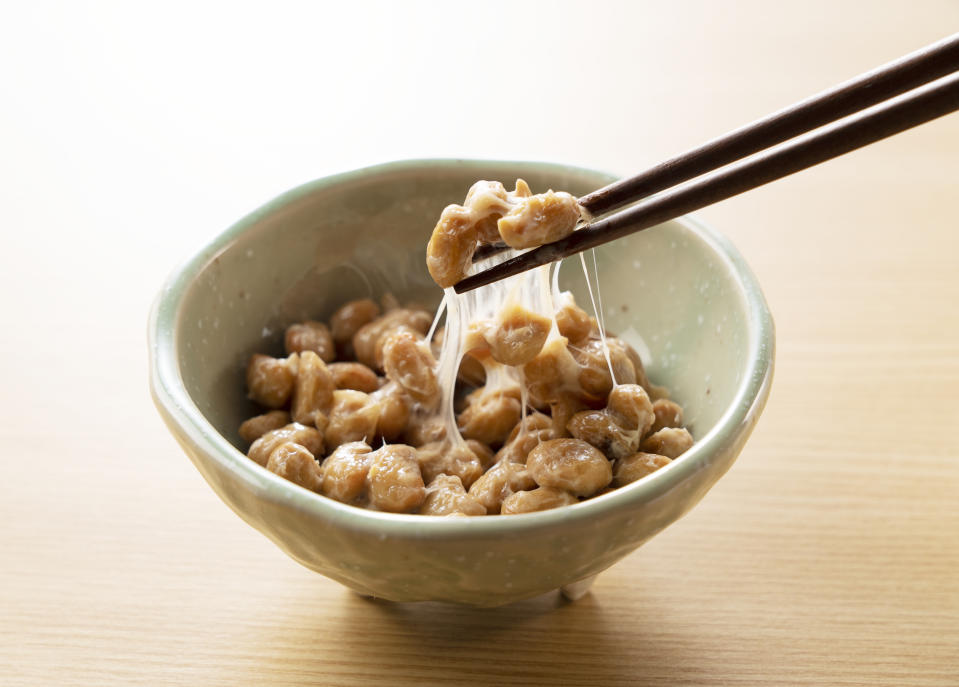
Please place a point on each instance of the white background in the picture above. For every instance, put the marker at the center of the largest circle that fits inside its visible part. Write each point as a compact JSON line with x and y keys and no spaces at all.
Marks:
{"x":131,"y":133}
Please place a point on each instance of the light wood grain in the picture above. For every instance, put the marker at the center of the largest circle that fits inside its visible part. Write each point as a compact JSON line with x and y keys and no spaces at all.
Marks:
{"x":828,"y":555}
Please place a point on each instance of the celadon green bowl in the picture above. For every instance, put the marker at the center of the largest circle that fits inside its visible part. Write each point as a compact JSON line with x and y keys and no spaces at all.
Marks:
{"x":679,"y":292}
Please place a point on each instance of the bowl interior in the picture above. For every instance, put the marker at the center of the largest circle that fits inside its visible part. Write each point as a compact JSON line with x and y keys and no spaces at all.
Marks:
{"x":668,"y":290}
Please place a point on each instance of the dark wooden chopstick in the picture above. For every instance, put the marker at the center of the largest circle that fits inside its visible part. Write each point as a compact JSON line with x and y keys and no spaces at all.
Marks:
{"x":873,"y":87}
{"x":489,"y":249}
{"x":865,"y":90}
{"x":922,"y":105}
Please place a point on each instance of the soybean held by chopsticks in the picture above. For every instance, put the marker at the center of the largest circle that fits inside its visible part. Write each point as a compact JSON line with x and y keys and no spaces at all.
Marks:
{"x":927,"y":77}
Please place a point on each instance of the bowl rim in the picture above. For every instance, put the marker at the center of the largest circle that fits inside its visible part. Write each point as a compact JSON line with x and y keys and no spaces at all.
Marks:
{"x":178,"y":409}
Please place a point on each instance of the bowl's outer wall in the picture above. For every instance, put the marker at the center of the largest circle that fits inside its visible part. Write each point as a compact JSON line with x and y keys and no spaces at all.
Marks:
{"x":673,"y":291}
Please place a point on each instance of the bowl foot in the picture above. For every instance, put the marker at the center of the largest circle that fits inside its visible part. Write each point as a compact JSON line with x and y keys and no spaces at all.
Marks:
{"x":571,"y":592}
{"x":577,"y":590}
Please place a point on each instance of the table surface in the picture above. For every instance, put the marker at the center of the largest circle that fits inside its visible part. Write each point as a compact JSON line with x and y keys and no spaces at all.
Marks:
{"x":829,"y":554}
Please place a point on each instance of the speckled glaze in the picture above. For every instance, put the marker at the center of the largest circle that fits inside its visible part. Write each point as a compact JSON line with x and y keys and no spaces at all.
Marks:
{"x":680,"y":293}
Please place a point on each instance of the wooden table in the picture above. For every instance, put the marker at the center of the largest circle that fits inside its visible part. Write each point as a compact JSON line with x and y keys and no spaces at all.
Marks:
{"x":828,"y":555}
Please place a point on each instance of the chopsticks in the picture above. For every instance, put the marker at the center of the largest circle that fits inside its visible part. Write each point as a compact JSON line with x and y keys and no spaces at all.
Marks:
{"x":908,"y":72}
{"x":879,"y":121}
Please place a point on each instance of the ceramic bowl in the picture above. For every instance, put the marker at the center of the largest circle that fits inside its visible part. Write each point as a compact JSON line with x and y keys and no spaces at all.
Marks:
{"x":679,"y":292}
